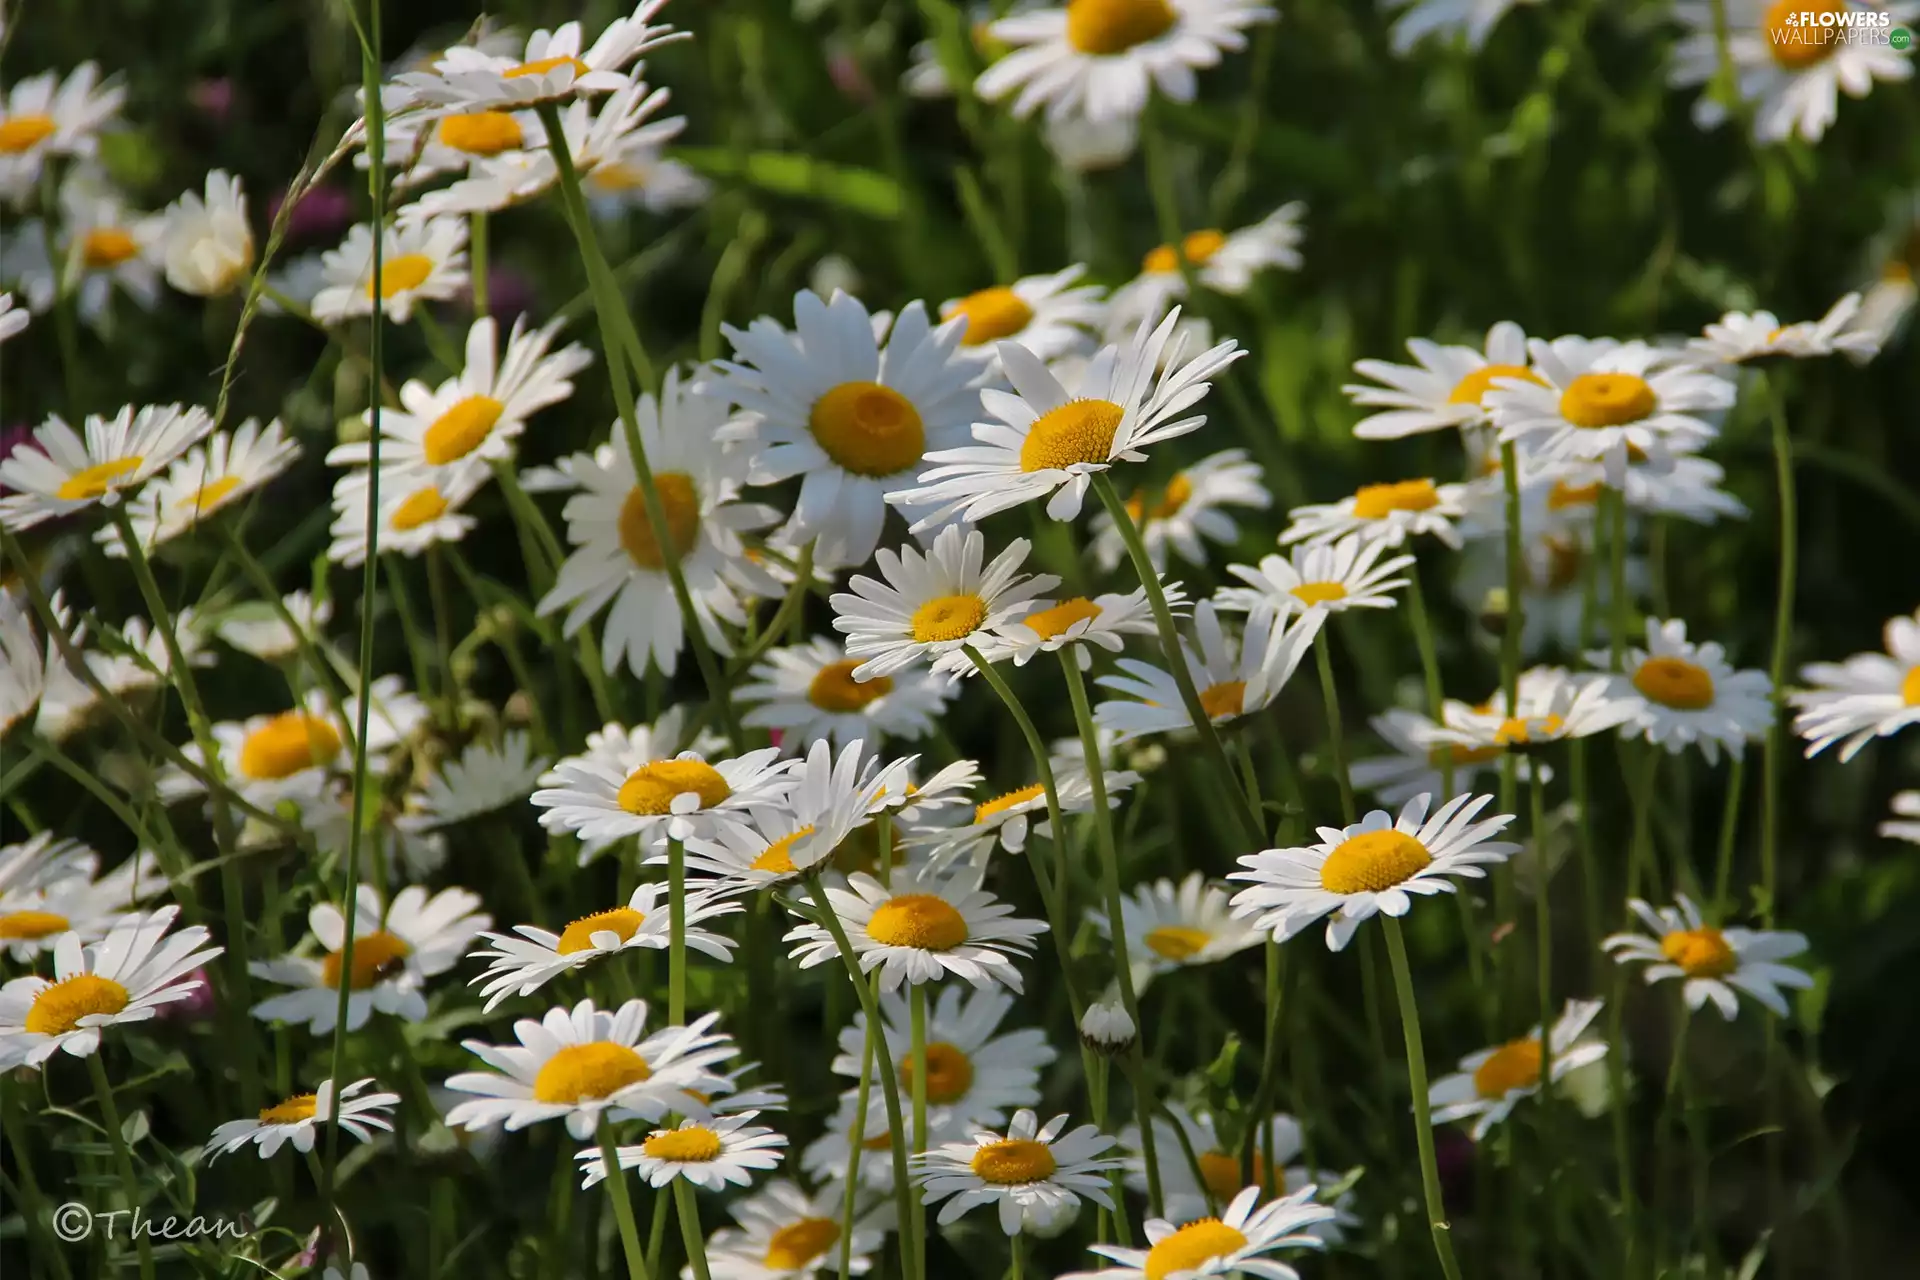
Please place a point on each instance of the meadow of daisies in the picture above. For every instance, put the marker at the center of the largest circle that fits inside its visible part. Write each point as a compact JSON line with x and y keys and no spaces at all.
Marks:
{"x":1132,"y":638}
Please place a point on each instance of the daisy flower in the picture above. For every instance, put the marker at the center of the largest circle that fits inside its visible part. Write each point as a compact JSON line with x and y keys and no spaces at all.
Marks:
{"x":62,"y":471}
{"x":1679,"y":484}
{"x":33,"y":918}
{"x":789,"y":1233}
{"x":931,"y":606}
{"x":826,"y":1158}
{"x":1235,"y":1243}
{"x":1553,"y":705}
{"x":808,"y":691}
{"x":1905,"y":805}
{"x":1445,"y":388}
{"x":1491,"y":1082}
{"x":395,"y":950}
{"x":1047,"y":441}
{"x":1338,"y":576}
{"x":1224,"y":261}
{"x":1870,"y":695}
{"x":1790,"y":72}
{"x":1386,"y":513}
{"x":1171,"y":926}
{"x":137,"y":660}
{"x":205,"y":243}
{"x":418,"y":508}
{"x":1029,"y":1171}
{"x":1100,"y":59}
{"x":599,"y":798}
{"x":1196,"y":1188}
{"x":974,"y":1076}
{"x":44,"y":860}
{"x":1049,"y":315}
{"x":712,"y":1153}
{"x":206,"y":479}
{"x":1187,"y":509}
{"x":826,"y":800}
{"x":921,"y":929}
{"x":624,"y":750}
{"x":1233,"y":679}
{"x":1005,"y":820}
{"x":255,"y":627}
{"x":1375,"y":865}
{"x":1738,"y":338}
{"x":1077,"y":623}
{"x":826,"y":402}
{"x":1417,"y":756}
{"x":1690,"y":694}
{"x":583,"y":1063}
{"x":301,"y":1117}
{"x":484,"y":778}
{"x":1713,"y":963}
{"x":125,"y":977}
{"x":104,"y":245}
{"x":638,"y":173}
{"x":23,"y":664}
{"x":45,"y":116}
{"x":424,"y":147}
{"x":552,"y":67}
{"x":617,"y":557}
{"x":423,"y":262}
{"x":1472,"y":19}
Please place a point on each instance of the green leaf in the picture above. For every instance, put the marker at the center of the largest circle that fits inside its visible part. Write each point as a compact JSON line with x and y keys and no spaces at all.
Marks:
{"x":787,"y":174}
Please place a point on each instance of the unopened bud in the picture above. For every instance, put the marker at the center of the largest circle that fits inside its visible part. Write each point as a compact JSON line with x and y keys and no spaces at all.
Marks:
{"x":1106,"y":1028}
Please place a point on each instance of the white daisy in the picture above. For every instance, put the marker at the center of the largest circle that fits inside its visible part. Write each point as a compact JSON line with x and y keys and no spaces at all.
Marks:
{"x":1100,"y":59}
{"x":1870,"y":695}
{"x":712,"y":1153}
{"x":1028,"y":1171}
{"x":826,"y":1158}
{"x":1679,"y":484}
{"x":23,"y":663}
{"x":1235,"y":1243}
{"x":1417,"y":758}
{"x":205,"y":243}
{"x":62,"y":471}
{"x":418,"y":508}
{"x":552,"y":67}
{"x":45,"y":116}
{"x":1884,"y":307}
{"x":424,"y":262}
{"x":1491,"y":1082}
{"x":1233,"y":678}
{"x":827,"y":800}
{"x":1690,"y":694}
{"x":974,"y":1076}
{"x":826,"y":402}
{"x":624,"y":750}
{"x":395,"y":950}
{"x":680,"y":798}
{"x":485,"y":777}
{"x":1187,"y":509}
{"x":301,"y":1117}
{"x":1387,"y":513}
{"x":1347,"y":574}
{"x":1047,"y":441}
{"x":44,"y":860}
{"x":1224,"y":261}
{"x":130,"y":661}
{"x":1049,"y":315}
{"x":789,"y":1233}
{"x":1170,"y":926}
{"x":617,"y":557}
{"x":1906,"y":805}
{"x":638,"y":173}
{"x":203,"y":481}
{"x":1446,"y":387}
{"x":1005,"y":820}
{"x":255,"y":627}
{"x":1077,"y":623}
{"x":1553,"y":705}
{"x":1714,"y":963}
{"x":1372,"y":866}
{"x":1738,"y":338}
{"x":1472,"y":19}
{"x":1193,"y":1189}
{"x":125,"y":977}
{"x":104,"y":245}
{"x":33,"y":917}
{"x":424,"y":147}
{"x":920,"y":929}
{"x":808,"y":691}
{"x":930,"y":606}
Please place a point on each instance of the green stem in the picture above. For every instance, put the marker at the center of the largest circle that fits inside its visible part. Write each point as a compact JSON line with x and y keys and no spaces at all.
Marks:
{"x":477,"y":257}
{"x":689,"y":1213}
{"x":1336,"y":734}
{"x":1437,"y":1223}
{"x":1543,"y":930}
{"x":622,"y":1203}
{"x":1013,"y":1243}
{"x":677,"y":943}
{"x":1515,"y":623}
{"x":1729,"y":832}
{"x":856,"y":1135}
{"x":1613,"y":504}
{"x":122,"y":1157}
{"x":1782,"y":645}
{"x":917,"y":1020}
{"x":559,"y":1215}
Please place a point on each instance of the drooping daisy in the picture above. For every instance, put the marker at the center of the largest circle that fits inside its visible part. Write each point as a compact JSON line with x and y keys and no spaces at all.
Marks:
{"x":1187,"y":509}
{"x":931,"y":605}
{"x":1105,"y":621}
{"x":974,"y":1076}
{"x":1006,"y":820}
{"x":23,"y":663}
{"x":679,"y":798}
{"x":1491,"y":1082}
{"x":1905,"y":805}
{"x":1790,"y":71}
{"x":395,"y":950}
{"x":1232,"y":679}
{"x":1690,"y":694}
{"x":808,"y":691}
{"x":206,"y":243}
{"x":125,"y":977}
{"x":33,"y":916}
{"x":713,"y":1153}
{"x":1372,"y":866}
{"x":418,"y":508}
{"x":1100,"y":59}
{"x":298,"y":1119}
{"x":1473,"y":19}
{"x":1347,"y":574}
{"x":551,"y":68}
{"x":789,"y":1233}
{"x":425,"y":262}
{"x":1028,"y":1170}
{"x":1868,"y":696}
{"x":581,"y":1063}
{"x":617,"y":556}
{"x":1223,"y":261}
{"x":828,"y":403}
{"x":1048,"y":442}
{"x":1386,"y":513}
{"x":62,"y":471}
{"x":1235,"y":1243}
{"x":1446,"y":387}
{"x":1713,"y":963}
{"x":256,"y":627}
{"x":45,"y":116}
{"x":205,"y":480}
{"x":826,"y":800}
{"x":1197,"y":1187}
{"x":1170,"y":926}
{"x":1049,"y":315}
{"x":920,"y":929}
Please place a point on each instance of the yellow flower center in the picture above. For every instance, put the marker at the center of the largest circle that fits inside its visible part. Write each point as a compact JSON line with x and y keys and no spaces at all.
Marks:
{"x":398,"y":275}
{"x":1910,"y":687}
{"x":1373,"y":861}
{"x":208,"y":496}
{"x":949,"y":1073}
{"x":22,"y":133}
{"x":948,"y":618}
{"x":833,"y":687}
{"x":376,"y":957}
{"x":481,"y":133}
{"x":1473,"y":388}
{"x":540,"y":66}
{"x":1378,"y":501}
{"x":1514,"y":1065}
{"x":868,"y":429}
{"x":1199,"y":246}
{"x":1564,"y":495}
{"x":992,"y":314}
{"x":1221,"y":1173}
{"x":1048,"y":623}
{"x":1607,"y":400}
{"x":924,"y":921}
{"x":286,"y":744}
{"x":695,"y":1144}
{"x":1192,"y":1246}
{"x":1178,"y":943}
{"x":1013,"y":1161}
{"x":679,"y":502}
{"x":1114,"y":26}
{"x":1674,"y":682}
{"x":1441,"y":757}
{"x":579,"y":1072}
{"x":1177,"y":494}
{"x":650,"y":789}
{"x":298,"y":1109}
{"x":1313,"y":593}
{"x":460,"y":430}
{"x":793,"y":1246}
{"x":1000,"y":804}
{"x":422,"y":507}
{"x":1516,"y":731}
{"x":618,"y":175}
{"x":59,"y":1008}
{"x":578,"y":936}
{"x":94,"y":481}
{"x":1077,"y":431}
{"x":106,"y":247}
{"x":1226,"y":699}
{"x":27,"y":925}
{"x":1796,"y":47}
{"x":778,"y":856}
{"x":1700,"y":953}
